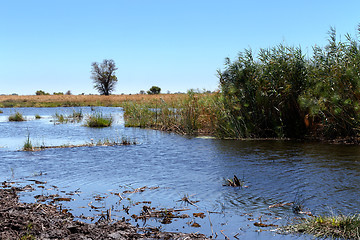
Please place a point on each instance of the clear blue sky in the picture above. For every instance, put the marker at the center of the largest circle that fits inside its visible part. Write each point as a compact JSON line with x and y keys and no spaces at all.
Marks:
{"x":176,"y":45}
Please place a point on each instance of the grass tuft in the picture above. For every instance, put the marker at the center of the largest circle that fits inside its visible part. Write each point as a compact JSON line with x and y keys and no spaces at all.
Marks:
{"x":97,"y":120}
{"x":17,"y":117}
{"x":28,"y":145}
{"x":334,"y":226}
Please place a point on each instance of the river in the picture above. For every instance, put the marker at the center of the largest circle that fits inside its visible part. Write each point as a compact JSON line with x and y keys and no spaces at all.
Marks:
{"x":321,"y":178}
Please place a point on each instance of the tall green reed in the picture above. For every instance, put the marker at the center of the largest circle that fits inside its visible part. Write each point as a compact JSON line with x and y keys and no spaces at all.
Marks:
{"x":333,"y":93}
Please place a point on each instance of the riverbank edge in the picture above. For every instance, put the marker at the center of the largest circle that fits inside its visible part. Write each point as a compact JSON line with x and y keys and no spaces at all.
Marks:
{"x":42,"y":221}
{"x":42,"y":101}
{"x":307,"y":139}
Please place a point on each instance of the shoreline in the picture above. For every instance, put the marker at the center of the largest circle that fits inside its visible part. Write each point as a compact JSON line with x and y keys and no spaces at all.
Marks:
{"x":42,"y":101}
{"x":43,"y":221}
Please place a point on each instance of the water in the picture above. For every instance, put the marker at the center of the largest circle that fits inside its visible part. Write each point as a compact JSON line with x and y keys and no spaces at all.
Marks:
{"x":322,"y":177}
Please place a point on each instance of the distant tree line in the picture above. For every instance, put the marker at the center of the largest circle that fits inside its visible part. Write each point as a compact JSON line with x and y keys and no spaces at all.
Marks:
{"x":41,"y":92}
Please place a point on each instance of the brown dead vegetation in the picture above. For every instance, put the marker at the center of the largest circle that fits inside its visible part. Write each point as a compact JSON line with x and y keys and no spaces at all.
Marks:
{"x":44,"y":221}
{"x":82,"y":100}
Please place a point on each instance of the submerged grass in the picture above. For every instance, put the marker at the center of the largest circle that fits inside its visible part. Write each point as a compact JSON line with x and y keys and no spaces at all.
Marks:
{"x":101,"y":142}
{"x":334,"y":226}
{"x":72,"y":118}
{"x":97,"y":120}
{"x":115,"y":142}
{"x":16,"y":117}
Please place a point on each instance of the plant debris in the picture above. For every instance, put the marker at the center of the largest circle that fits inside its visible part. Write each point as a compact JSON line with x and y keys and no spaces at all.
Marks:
{"x":44,"y":221}
{"x":186,"y":199}
{"x":235,"y":182}
{"x":281,"y":205}
{"x":260,"y":224}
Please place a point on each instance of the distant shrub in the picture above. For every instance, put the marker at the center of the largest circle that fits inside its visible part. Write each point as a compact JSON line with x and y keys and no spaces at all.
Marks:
{"x":41,"y":92}
{"x":154,"y":90}
{"x":17,"y":117}
{"x":97,"y":120}
{"x":58,"y":93}
{"x":68,"y":92}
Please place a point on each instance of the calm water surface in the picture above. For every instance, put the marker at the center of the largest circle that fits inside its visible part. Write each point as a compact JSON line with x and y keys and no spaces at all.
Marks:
{"x":323,"y":178}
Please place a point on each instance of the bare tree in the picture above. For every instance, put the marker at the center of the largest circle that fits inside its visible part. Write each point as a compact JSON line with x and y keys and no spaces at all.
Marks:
{"x":103,"y":76}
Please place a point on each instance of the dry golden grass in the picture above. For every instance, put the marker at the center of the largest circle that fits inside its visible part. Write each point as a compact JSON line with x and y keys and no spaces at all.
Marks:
{"x":82,"y":100}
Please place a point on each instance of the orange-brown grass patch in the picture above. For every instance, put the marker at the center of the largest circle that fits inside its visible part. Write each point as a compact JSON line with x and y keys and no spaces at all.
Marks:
{"x":81,"y":100}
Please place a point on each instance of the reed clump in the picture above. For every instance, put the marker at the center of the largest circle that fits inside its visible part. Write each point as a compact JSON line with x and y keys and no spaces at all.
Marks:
{"x":282,"y":94}
{"x":188,"y":115}
{"x":75,"y":117}
{"x":333,"y":226}
{"x":28,"y":145}
{"x":97,"y":120}
{"x":17,"y":117}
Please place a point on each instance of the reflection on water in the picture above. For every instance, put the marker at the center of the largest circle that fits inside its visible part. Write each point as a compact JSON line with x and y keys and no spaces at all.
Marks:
{"x":321,"y":177}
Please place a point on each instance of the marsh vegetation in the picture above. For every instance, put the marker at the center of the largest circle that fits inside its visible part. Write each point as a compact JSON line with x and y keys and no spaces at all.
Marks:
{"x":16,"y":117}
{"x":329,"y":226}
{"x":75,"y":117}
{"x":98,"y":120}
{"x":280,"y":93}
{"x":28,"y":145}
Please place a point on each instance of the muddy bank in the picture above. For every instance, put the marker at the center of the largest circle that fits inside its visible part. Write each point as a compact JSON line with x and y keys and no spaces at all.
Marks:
{"x":42,"y":221}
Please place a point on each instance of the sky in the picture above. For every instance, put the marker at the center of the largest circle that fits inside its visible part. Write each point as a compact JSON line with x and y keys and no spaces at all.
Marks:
{"x":174,"y":44}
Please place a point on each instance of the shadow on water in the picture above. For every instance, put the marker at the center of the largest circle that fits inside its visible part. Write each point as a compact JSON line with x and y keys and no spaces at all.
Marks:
{"x":322,"y":177}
